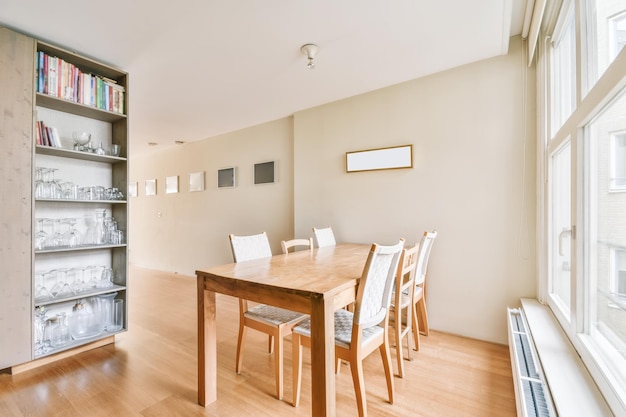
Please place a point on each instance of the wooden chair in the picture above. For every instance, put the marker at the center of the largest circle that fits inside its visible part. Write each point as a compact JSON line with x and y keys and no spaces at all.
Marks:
{"x":420,"y":312}
{"x":275,"y":322}
{"x":402,"y":305}
{"x":324,"y":237}
{"x":359,"y":333}
{"x":295,"y":243}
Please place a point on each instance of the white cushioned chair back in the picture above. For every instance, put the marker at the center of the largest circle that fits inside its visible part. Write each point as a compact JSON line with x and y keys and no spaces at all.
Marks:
{"x":426,"y":244}
{"x":324,"y":237}
{"x":247,"y":248}
{"x":375,"y":286}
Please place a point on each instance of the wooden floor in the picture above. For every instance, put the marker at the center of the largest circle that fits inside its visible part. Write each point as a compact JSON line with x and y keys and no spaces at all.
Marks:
{"x":151,"y":370}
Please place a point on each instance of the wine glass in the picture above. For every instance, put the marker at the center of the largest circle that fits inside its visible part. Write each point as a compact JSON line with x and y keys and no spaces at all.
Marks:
{"x":40,"y":236}
{"x":42,"y":293}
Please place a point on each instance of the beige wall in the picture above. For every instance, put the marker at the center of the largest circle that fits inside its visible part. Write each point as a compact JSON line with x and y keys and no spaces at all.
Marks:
{"x":473,"y":181}
{"x":189,"y":230}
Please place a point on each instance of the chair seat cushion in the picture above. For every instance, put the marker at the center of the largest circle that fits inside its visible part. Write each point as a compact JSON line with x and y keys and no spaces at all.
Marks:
{"x":343,"y":329}
{"x":273,"y":315}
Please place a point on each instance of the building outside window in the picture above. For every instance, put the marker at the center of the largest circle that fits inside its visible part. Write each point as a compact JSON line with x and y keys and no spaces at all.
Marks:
{"x":617,"y":161}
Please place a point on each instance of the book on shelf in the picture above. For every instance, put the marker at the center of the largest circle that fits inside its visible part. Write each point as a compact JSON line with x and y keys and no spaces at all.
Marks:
{"x":59,"y":78}
{"x":47,"y":135}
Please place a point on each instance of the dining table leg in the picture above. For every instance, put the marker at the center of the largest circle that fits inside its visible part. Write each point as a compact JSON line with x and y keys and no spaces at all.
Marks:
{"x":207,"y":346}
{"x":322,"y":357}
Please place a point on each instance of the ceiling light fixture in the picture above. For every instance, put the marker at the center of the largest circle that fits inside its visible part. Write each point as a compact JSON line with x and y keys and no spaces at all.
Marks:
{"x":310,"y":50}
{"x":152,"y":144}
{"x":179,"y":142}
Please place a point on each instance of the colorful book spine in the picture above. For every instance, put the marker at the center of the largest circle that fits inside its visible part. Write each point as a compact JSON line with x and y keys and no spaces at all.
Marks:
{"x":59,"y":78}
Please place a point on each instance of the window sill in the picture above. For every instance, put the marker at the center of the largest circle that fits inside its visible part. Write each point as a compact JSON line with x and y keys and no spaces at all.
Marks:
{"x":573,"y":391}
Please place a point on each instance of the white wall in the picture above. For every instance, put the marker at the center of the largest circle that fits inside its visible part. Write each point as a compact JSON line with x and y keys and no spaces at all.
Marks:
{"x":188,"y":231}
{"x":473,"y":180}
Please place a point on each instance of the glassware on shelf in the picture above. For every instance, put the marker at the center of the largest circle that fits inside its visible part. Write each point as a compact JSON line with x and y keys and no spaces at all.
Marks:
{"x":95,"y":273}
{"x":40,"y":235}
{"x":50,"y":280}
{"x":40,"y":328}
{"x":100,"y":230}
{"x":40,"y":186}
{"x":84,"y":321}
{"x":42,"y":293}
{"x":117,"y":316}
{"x":96,"y":229}
{"x":106,"y":303}
{"x":100,"y":150}
{"x":61,"y":332}
{"x":106,"y":278}
{"x":81,"y":140}
{"x":62,"y":288}
{"x":79,"y":284}
{"x":72,"y":236}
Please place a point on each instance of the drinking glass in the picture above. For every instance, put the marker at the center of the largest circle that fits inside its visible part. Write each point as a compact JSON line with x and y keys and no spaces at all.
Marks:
{"x":62,"y":287}
{"x":78,"y":284}
{"x":50,"y":281}
{"x":40,"y":236}
{"x":40,"y":185}
{"x":40,"y":327}
{"x":54,"y":185}
{"x":42,"y":293}
{"x":61,"y":332}
{"x":106,"y":278}
{"x":72,"y":237}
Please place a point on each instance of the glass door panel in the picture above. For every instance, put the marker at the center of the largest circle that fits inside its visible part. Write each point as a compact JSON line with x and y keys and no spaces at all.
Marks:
{"x":561,"y":229}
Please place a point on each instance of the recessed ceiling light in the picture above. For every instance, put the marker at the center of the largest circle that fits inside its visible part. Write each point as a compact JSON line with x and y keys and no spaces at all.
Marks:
{"x":152,"y":144}
{"x":179,"y":142}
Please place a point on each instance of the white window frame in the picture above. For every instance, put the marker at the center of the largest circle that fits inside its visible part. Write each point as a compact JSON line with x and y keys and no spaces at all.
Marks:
{"x":550,"y":137}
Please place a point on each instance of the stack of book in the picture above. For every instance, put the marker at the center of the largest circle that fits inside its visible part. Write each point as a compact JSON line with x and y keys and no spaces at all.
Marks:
{"x":59,"y":78}
{"x":47,"y":135}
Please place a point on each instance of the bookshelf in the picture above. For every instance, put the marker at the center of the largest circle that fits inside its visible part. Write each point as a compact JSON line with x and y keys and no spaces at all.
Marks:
{"x":87,"y":190}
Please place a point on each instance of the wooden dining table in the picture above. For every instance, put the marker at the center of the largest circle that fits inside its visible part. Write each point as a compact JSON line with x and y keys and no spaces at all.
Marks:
{"x":316,"y":282}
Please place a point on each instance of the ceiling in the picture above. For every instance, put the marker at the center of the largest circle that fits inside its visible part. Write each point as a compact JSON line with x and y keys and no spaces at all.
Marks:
{"x":200,"y":68}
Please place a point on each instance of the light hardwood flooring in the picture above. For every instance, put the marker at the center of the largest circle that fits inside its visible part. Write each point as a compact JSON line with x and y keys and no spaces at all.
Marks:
{"x":151,"y":370}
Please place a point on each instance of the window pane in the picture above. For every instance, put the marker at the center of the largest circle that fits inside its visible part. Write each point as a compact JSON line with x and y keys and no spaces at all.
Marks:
{"x":618,"y":161}
{"x":561,"y":232}
{"x":563,"y":72}
{"x":606,"y":34}
{"x":605,"y":240}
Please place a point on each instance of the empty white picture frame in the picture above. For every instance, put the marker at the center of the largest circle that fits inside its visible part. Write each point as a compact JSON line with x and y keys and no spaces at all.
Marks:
{"x":395,"y":157}
{"x":132,"y":189}
{"x":151,"y":187}
{"x":196,"y":181}
{"x":171,"y":184}
{"x":226,"y":177}
{"x":265,"y":172}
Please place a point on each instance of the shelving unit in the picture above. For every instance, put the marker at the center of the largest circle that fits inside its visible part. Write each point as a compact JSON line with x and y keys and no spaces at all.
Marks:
{"x":19,"y":59}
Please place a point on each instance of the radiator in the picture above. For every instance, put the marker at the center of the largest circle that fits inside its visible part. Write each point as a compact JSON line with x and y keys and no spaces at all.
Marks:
{"x":531,"y":390}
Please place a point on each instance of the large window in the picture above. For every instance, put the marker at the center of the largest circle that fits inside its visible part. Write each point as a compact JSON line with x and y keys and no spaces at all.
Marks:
{"x":585,"y":153}
{"x":563,"y":74}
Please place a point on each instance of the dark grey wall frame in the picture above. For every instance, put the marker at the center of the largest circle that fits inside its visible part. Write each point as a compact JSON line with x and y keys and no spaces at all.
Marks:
{"x":265,"y":172}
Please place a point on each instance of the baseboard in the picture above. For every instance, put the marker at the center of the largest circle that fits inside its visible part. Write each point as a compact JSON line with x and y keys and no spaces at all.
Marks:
{"x":16,"y":369}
